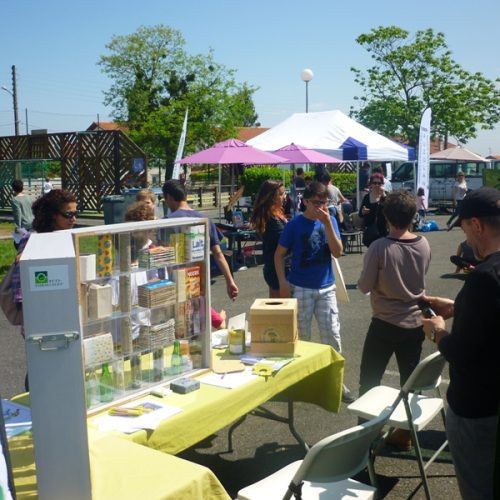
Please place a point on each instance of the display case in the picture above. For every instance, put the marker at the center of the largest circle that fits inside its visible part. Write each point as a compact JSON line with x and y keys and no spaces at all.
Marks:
{"x":110,"y":312}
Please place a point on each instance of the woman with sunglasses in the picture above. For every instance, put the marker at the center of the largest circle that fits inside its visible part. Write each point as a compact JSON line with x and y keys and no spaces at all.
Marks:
{"x":54,"y":211}
{"x":371,"y":210}
{"x":268,"y":219}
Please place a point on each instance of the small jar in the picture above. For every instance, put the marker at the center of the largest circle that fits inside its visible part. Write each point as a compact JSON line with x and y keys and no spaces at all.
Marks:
{"x":237,"y":341}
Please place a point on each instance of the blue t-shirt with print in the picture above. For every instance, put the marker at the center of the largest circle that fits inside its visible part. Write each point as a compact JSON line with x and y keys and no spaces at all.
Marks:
{"x":212,"y":228}
{"x":311,"y":256}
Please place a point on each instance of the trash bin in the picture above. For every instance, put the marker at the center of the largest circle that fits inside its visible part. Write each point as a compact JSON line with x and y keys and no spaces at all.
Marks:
{"x":114,"y":208}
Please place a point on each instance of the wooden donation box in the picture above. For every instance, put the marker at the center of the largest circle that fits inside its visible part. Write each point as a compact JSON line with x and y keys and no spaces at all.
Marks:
{"x":273,"y":324}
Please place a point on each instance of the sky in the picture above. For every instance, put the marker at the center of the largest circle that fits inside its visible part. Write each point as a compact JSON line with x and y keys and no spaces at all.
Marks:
{"x":56,"y":45}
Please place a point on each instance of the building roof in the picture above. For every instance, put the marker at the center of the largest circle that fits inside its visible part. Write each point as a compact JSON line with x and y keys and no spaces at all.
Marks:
{"x":107,"y":126}
{"x":246,"y":133}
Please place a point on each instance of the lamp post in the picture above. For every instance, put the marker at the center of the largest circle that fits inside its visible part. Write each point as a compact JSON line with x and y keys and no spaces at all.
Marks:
{"x":14,"y":100}
{"x":306,"y":76}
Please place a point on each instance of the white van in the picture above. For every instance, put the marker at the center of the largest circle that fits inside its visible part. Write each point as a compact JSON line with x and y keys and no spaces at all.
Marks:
{"x":442,"y":176}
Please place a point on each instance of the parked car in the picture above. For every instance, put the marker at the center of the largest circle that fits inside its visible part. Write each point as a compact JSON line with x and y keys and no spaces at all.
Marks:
{"x":442,"y":176}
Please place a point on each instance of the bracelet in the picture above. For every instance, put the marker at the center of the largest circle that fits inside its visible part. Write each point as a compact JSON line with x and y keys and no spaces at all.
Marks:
{"x":433,"y":333}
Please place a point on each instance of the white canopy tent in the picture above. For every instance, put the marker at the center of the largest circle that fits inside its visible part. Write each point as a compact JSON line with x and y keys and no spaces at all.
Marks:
{"x":333,"y":133}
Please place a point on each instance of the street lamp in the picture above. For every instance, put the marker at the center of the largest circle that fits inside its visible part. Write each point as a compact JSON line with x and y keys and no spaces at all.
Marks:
{"x":306,"y":76}
{"x":14,"y":100}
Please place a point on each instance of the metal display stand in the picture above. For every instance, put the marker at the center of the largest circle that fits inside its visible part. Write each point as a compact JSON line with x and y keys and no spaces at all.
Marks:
{"x":70,"y":305}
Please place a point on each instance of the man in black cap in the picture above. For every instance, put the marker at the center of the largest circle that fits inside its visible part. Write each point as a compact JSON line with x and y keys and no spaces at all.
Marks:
{"x":473,"y":348}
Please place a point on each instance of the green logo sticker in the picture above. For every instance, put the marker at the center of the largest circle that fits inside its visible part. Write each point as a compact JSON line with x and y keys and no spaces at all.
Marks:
{"x":41,"y":278}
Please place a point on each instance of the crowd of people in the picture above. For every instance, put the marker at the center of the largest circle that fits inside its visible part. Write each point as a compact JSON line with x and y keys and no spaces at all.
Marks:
{"x":297,"y":258}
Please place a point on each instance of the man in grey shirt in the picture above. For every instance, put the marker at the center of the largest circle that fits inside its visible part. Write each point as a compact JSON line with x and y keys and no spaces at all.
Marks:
{"x":21,"y":211}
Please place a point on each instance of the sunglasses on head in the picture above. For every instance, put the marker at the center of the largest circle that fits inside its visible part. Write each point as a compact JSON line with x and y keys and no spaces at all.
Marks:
{"x":68,"y":214}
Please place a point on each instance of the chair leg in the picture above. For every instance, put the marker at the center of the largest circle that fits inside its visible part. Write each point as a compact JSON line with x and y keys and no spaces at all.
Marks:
{"x":418,"y":451}
{"x":371,"y":472}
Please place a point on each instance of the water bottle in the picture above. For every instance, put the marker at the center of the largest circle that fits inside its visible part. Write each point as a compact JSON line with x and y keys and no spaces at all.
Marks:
{"x":106,"y":384}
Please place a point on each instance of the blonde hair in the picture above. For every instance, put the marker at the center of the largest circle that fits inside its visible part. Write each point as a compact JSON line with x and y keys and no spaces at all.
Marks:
{"x":146,"y":194}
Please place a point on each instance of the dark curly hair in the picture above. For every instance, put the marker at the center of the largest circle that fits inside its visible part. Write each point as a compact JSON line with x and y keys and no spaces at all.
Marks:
{"x":49,"y":205}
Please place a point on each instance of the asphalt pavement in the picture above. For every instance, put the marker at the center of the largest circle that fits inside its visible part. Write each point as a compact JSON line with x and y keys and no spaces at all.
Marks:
{"x":262,"y":446}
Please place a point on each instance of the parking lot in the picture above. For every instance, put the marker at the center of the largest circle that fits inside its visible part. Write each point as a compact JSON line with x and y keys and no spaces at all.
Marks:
{"x":263,"y":446}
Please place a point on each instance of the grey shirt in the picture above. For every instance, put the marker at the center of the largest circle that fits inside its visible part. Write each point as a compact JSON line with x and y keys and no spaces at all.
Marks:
{"x":21,"y":211}
{"x":394,"y":274}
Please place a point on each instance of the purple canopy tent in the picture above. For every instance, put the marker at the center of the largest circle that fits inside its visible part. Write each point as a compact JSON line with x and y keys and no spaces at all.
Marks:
{"x":299,"y":154}
{"x":232,"y":152}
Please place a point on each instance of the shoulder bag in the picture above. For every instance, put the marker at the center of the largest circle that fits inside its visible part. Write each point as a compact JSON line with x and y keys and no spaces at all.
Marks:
{"x":13,"y":312}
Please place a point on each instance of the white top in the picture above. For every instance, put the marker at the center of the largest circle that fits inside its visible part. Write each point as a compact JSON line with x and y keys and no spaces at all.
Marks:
{"x":47,"y":187}
{"x":459,"y":190}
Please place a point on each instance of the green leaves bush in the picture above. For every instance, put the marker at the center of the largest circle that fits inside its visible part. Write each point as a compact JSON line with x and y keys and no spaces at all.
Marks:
{"x":253,"y":177}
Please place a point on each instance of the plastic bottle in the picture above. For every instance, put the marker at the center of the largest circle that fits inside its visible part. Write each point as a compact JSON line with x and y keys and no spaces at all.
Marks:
{"x":106,"y":384}
{"x":158,"y":365}
{"x":92,"y":389}
{"x":176,"y":360}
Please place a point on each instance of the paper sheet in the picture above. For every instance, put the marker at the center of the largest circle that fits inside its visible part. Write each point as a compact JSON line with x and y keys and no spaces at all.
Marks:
{"x":129,"y":425}
{"x":17,"y":418}
{"x":228,"y":380}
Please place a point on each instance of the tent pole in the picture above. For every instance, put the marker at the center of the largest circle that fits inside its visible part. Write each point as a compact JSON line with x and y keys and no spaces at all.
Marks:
{"x":357,"y":185}
{"x":219,"y":194}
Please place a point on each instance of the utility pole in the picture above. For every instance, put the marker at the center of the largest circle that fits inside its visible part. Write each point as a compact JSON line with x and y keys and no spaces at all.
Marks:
{"x":13,"y":93}
{"x":14,"y":98}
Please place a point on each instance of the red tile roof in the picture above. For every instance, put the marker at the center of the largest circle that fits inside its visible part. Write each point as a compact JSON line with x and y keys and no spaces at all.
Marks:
{"x":107,"y":126}
{"x":246,"y":133}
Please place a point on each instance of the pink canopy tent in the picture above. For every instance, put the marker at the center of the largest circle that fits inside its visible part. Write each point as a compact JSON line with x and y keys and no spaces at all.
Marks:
{"x":299,"y":154}
{"x":231,"y":152}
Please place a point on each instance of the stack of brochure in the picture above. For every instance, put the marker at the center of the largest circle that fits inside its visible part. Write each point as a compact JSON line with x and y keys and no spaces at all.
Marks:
{"x":157,"y":293}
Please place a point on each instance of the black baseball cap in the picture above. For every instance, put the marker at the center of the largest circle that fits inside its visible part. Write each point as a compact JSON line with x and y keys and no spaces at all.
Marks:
{"x":482,"y":202}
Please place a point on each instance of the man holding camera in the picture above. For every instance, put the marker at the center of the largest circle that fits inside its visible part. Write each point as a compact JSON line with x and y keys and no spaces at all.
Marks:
{"x":472,"y":348}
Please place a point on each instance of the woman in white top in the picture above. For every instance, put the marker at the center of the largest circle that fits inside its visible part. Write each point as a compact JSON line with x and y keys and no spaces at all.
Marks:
{"x":458,"y":194}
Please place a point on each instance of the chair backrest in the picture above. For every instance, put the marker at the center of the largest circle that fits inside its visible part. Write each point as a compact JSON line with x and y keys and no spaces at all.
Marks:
{"x":427,"y":374}
{"x":341,"y":455}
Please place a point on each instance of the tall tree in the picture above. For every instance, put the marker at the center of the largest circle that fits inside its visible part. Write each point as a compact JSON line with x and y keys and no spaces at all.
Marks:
{"x":155,"y":80}
{"x":412,"y":74}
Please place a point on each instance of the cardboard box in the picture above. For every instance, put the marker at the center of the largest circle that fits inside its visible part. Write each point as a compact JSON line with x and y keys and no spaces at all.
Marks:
{"x":273,"y":325}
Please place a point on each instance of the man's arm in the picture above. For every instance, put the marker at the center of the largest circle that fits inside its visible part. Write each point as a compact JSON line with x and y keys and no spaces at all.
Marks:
{"x":220,"y":260}
{"x":279,"y":264}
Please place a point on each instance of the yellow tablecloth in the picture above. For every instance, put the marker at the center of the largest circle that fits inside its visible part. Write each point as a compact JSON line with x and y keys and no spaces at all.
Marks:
{"x":315,"y":376}
{"x":124,"y":470}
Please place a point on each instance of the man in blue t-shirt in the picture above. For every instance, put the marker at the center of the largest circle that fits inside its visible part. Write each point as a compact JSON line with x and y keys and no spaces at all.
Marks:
{"x":312,"y":238}
{"x":175,"y":199}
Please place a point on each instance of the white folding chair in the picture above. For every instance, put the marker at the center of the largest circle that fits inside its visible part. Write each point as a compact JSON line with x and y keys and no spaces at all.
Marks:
{"x":411,"y":410}
{"x":327,"y":468}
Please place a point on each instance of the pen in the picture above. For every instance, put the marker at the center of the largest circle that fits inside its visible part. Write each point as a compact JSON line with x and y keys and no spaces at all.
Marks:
{"x":125,"y":412}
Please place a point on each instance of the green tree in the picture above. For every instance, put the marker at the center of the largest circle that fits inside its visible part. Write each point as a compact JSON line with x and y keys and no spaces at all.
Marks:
{"x":155,"y":80}
{"x":411,"y":74}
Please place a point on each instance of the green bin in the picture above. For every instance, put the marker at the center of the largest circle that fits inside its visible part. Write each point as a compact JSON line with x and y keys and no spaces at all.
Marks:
{"x":114,"y":208}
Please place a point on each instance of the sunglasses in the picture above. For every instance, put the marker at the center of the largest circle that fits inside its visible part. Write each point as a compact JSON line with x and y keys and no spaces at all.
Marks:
{"x":375,"y":184}
{"x":318,"y":203}
{"x":69,"y":214}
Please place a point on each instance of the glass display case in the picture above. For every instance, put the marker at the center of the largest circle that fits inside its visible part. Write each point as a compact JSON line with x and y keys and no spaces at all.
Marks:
{"x":143,"y":305}
{"x":109,"y":312}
